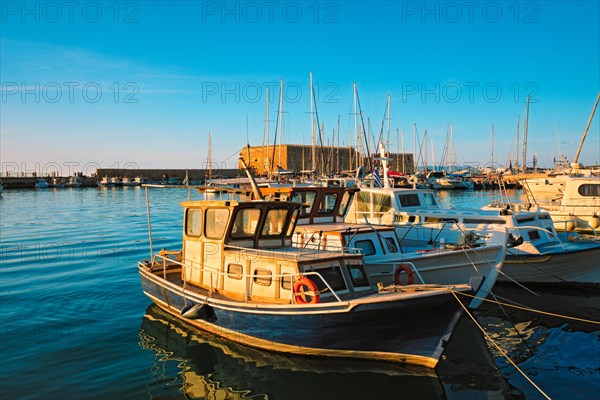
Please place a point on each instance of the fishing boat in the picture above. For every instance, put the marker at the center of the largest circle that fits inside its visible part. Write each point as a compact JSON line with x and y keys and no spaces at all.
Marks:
{"x":127,"y":181}
{"x":42,"y":184}
{"x":57,"y":183}
{"x":578,"y":207}
{"x":238,"y":276}
{"x":390,"y":256}
{"x":110,"y":182}
{"x":537,"y":253}
{"x":73,"y":182}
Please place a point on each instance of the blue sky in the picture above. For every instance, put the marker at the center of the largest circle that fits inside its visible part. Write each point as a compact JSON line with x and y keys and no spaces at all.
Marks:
{"x":141,"y":83}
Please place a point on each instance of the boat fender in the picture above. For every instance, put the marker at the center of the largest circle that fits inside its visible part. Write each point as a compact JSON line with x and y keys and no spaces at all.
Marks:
{"x":514,"y":241}
{"x":594,"y":222}
{"x":409,"y":273}
{"x":199,"y":311}
{"x":303,"y":287}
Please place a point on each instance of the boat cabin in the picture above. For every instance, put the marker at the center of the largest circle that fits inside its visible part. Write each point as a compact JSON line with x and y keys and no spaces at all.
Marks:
{"x":243,"y":250}
{"x":320,"y":204}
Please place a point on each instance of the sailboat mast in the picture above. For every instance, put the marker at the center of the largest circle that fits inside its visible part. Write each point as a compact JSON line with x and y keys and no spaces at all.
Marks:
{"x":209,"y":158}
{"x":492,"y":145}
{"x":517,"y":147}
{"x":338,"y":146}
{"x":387,"y":145}
{"x":425,"y":157}
{"x":403,"y":154}
{"x":415,"y":153}
{"x":356,"y":134}
{"x":313,"y":165}
{"x":280,"y":120}
{"x":525,"y":137}
{"x":586,"y":131}
{"x":267,"y":127}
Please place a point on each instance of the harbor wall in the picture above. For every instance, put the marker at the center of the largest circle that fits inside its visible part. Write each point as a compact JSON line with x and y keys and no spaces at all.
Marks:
{"x":159,"y":174}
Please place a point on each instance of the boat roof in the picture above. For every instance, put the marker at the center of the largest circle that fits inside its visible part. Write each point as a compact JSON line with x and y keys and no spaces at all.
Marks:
{"x":343,"y":227}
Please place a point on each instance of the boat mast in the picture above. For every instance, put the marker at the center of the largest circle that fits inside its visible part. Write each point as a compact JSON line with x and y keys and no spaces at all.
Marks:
{"x":425,"y":152}
{"x":586,"y":131}
{"x":492,"y":145}
{"x":209,"y":158}
{"x":280,"y":121}
{"x":356,"y":134}
{"x":313,"y":165}
{"x":526,"y":128}
{"x":517,"y":147}
{"x":338,"y":146}
{"x":266,"y":134}
{"x":403,"y":154}
{"x":415,"y":154}
{"x":387,"y":145}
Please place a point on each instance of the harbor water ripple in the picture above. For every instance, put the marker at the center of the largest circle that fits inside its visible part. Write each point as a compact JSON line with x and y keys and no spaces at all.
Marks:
{"x":76,"y":324}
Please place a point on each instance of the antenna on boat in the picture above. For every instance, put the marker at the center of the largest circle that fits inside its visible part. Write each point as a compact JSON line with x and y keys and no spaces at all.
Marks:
{"x":255,"y":188}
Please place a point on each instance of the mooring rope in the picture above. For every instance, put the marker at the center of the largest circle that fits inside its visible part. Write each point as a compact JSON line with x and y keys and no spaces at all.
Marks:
{"x":498,"y":347}
{"x":534,"y":310}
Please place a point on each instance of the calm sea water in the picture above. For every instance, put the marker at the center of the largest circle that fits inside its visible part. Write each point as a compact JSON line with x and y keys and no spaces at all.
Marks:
{"x":75,"y":323}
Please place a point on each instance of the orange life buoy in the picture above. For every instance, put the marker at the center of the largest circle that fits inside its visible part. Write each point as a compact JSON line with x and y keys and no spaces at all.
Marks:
{"x":409,"y":273}
{"x":303,"y":285}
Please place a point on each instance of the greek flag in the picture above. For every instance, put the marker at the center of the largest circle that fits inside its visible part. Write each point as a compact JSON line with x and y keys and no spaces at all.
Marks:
{"x":377,"y":178}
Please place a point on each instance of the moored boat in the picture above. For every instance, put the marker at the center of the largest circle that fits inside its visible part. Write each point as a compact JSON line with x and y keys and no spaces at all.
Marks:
{"x":238,"y":276}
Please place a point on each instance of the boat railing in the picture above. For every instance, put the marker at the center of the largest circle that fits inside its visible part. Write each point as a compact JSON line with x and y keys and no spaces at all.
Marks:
{"x":168,"y":260}
{"x":577,"y":221}
{"x":294,"y":252}
{"x":409,"y":263}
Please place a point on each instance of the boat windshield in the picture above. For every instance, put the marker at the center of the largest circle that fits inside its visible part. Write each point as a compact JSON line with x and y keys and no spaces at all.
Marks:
{"x":245,"y":223}
{"x":275,"y":222}
{"x":429,"y":200}
{"x":306,"y":198}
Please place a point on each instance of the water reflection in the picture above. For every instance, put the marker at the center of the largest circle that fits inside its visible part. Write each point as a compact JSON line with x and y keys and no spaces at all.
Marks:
{"x":190,"y":363}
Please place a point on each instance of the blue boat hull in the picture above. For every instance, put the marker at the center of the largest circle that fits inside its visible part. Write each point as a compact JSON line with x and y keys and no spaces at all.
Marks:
{"x":412,"y":331}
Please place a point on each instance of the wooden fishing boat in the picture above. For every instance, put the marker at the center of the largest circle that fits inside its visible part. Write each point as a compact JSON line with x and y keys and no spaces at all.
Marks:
{"x":238,"y":276}
{"x":435,"y":256}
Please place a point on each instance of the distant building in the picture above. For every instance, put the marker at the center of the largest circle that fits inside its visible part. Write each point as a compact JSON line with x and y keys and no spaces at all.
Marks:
{"x":329,"y":159}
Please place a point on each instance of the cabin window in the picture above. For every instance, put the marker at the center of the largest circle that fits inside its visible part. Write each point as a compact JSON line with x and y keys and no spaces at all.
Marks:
{"x":382,"y":203}
{"x":274,"y":222}
{"x":327,"y":203}
{"x":286,"y":282}
{"x":332,"y":275}
{"x":307,"y":199}
{"x":245,"y":223}
{"x":193,"y":226}
{"x":362,"y":201}
{"x":366,"y":247}
{"x":409,"y":200}
{"x":525,"y":219}
{"x":263,"y":277}
{"x":292,"y":223}
{"x":358,"y":275}
{"x":234,"y":271}
{"x":544,"y":216}
{"x":533,"y":235}
{"x":429,"y":200}
{"x":216,"y":222}
{"x":589,"y":190}
{"x":391,"y":245}
{"x":344,"y":204}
